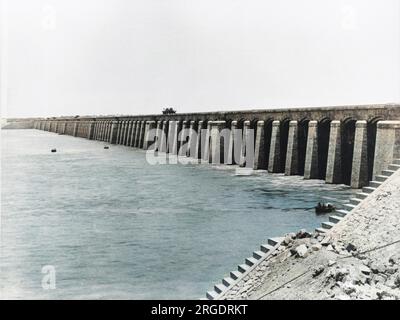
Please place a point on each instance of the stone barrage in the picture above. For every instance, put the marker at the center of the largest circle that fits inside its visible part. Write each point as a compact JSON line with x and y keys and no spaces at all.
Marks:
{"x":349,"y":145}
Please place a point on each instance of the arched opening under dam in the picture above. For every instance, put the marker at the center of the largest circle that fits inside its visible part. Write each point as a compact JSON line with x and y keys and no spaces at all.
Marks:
{"x":323,"y":146}
{"x":284,"y":135}
{"x":302,"y":144}
{"x":239,"y":140}
{"x":203,"y":142}
{"x":267,"y":139}
{"x":347,"y":145}
{"x":254,"y":127}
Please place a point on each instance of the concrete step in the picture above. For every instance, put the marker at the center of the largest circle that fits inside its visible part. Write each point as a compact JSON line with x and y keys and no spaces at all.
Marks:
{"x":211,"y":295}
{"x":361,"y":195}
{"x":218,"y":288}
{"x":327,"y":225}
{"x":227,"y":282}
{"x":335,"y":219}
{"x":396,"y":161}
{"x":250,"y":261}
{"x":235,"y":275}
{"x":380,"y":178}
{"x":394,"y":167}
{"x":375,"y":184}
{"x":341,"y":213}
{"x":355,"y":201}
{"x":243,"y":268}
{"x":258,"y":254}
{"x":349,"y":206}
{"x":368,"y":189}
{"x":274,"y":241}
{"x":321,"y":230}
{"x":387,"y":173}
{"x":266,"y":248}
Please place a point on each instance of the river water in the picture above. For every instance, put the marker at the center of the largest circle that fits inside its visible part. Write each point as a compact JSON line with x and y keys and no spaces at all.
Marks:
{"x":110,"y":225}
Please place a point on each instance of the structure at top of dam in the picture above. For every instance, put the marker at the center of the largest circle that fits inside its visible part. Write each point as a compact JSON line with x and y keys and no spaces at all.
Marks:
{"x":344,"y":144}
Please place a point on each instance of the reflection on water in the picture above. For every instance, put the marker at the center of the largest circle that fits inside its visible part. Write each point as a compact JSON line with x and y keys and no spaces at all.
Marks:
{"x":114,"y":226}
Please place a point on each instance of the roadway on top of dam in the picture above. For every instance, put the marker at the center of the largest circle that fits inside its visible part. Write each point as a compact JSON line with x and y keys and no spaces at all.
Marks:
{"x":366,"y":112}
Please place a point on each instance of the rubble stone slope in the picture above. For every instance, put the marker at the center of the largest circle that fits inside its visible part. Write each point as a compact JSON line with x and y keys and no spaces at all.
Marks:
{"x":358,"y":259}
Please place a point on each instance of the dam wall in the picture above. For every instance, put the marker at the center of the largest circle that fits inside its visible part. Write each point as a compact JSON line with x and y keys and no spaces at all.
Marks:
{"x":344,"y":144}
{"x":13,"y":123}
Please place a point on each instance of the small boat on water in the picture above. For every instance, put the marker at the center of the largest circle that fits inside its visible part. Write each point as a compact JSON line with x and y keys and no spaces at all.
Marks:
{"x":324,"y":208}
{"x":53,"y":150}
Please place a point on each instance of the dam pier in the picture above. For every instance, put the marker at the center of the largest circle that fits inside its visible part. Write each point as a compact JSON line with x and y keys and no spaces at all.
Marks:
{"x":341,"y":145}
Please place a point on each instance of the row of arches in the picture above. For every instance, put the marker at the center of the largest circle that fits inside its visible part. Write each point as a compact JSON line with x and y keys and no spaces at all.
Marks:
{"x":135,"y":133}
{"x":347,"y":142}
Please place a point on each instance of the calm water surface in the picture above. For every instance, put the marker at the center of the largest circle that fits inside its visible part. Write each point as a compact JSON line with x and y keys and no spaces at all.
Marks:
{"x":114,"y":226}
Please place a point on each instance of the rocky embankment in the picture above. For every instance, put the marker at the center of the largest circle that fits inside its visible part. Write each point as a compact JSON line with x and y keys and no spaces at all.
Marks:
{"x":358,"y":259}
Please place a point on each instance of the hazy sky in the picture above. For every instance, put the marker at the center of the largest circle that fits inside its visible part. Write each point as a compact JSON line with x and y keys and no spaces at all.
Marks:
{"x":68,"y":57}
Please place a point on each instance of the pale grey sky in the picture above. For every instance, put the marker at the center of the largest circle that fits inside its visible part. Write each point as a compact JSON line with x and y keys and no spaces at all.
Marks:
{"x":68,"y":57}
